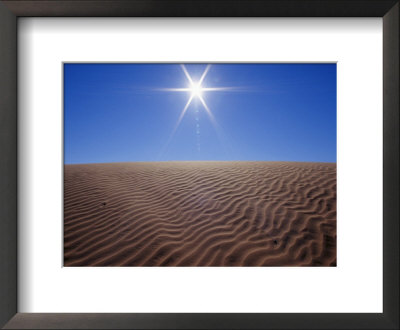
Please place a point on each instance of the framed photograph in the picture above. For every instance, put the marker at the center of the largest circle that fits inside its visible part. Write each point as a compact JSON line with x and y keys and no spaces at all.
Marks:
{"x":200,"y":164}
{"x":175,"y":181}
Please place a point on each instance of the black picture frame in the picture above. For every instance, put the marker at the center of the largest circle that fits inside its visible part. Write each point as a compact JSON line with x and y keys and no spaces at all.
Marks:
{"x":12,"y":9}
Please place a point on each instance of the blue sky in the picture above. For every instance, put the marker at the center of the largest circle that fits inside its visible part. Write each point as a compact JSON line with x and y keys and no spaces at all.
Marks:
{"x":271,"y":112}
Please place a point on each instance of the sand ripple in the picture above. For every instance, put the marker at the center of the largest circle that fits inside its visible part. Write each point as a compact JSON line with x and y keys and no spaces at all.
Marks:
{"x":200,"y":214}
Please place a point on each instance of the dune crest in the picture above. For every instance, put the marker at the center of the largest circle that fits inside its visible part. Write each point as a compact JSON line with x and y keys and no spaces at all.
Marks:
{"x":200,"y":214}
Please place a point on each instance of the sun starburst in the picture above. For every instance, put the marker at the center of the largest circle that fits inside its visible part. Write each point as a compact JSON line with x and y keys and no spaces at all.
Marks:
{"x":195,"y":90}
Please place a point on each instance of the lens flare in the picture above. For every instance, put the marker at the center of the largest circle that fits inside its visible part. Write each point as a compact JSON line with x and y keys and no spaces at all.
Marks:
{"x":196,"y":90}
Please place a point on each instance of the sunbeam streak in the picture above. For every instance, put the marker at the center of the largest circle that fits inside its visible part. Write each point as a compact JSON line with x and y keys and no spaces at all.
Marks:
{"x":196,"y":90}
{"x":207,"y":109}
{"x":187,"y":73}
{"x":204,"y":74}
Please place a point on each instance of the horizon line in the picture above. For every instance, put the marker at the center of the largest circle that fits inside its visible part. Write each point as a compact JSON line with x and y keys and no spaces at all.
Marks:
{"x":205,"y":161}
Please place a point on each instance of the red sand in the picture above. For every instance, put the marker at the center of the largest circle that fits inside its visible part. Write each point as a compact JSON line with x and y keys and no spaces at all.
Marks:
{"x":200,"y":214}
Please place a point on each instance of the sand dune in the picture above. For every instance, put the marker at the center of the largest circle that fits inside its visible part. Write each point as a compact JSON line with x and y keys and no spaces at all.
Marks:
{"x":200,"y":214}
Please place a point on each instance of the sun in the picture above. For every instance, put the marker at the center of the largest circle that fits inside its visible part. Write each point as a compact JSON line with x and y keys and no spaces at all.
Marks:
{"x":196,"y":90}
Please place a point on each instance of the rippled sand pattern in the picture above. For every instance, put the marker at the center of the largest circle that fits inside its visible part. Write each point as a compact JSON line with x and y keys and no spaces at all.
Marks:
{"x":200,"y":214}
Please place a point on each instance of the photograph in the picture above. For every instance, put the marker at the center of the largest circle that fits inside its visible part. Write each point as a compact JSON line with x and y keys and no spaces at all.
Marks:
{"x":200,"y":164}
